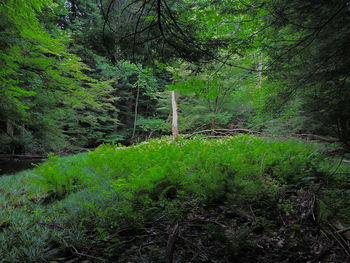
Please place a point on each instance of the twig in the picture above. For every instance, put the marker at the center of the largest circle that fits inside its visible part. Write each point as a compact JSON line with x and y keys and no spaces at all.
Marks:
{"x":211,"y":221}
{"x":169,"y":254}
{"x":284,"y":223}
{"x":251,"y":210}
{"x":343,"y":230}
{"x":76,"y":252}
{"x":338,"y":238}
{"x":313,"y":207}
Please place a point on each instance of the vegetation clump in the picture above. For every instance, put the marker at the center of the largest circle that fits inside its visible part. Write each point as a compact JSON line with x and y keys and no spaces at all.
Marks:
{"x":242,"y":198}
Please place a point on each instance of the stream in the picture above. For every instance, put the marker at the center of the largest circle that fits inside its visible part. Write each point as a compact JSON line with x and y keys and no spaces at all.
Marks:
{"x":11,"y":165}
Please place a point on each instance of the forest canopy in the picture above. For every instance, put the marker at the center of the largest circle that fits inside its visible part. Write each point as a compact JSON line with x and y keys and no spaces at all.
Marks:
{"x":77,"y":73}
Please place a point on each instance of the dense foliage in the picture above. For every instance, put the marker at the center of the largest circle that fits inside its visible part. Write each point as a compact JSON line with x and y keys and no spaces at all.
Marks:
{"x":94,"y":203}
{"x":309,"y":57}
{"x":76,"y":75}
{"x":40,"y":80}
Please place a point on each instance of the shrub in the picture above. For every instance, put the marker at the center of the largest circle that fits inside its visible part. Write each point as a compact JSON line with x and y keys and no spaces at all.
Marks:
{"x":60,"y":176}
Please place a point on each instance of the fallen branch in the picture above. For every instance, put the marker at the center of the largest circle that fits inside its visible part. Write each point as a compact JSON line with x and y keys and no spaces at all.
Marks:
{"x":229,"y":132}
{"x":76,"y":252}
{"x":169,"y":254}
{"x":339,"y":238}
{"x":213,"y":131}
{"x":343,"y":230}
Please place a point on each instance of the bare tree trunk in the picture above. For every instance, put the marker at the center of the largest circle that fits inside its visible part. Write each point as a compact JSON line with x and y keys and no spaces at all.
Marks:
{"x":135,"y":114}
{"x":175,"y":128}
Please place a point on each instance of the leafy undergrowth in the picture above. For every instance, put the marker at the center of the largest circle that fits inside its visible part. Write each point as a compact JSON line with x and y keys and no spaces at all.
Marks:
{"x":240,"y":199}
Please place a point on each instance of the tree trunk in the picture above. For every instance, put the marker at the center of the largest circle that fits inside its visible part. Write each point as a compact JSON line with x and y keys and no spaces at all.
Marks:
{"x":175,"y":129}
{"x":135,"y":114}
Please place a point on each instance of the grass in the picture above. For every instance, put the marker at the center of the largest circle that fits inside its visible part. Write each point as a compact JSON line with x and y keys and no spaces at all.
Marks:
{"x":83,"y":203}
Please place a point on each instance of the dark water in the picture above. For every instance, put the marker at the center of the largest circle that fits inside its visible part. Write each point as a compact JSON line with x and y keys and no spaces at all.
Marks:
{"x":15,"y":165}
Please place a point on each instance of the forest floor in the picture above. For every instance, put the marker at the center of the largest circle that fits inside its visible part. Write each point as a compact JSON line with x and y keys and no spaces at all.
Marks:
{"x":239,"y":199}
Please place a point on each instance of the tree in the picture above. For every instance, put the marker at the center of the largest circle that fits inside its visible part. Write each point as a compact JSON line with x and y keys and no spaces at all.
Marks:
{"x":38,"y":78}
{"x":308,"y":45}
{"x":194,"y":31}
{"x":174,"y":126}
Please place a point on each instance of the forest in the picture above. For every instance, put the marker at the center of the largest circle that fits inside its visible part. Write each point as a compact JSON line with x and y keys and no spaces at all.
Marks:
{"x":174,"y":131}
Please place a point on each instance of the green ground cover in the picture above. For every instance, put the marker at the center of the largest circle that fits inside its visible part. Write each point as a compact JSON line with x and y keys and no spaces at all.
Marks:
{"x":119,"y":204}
